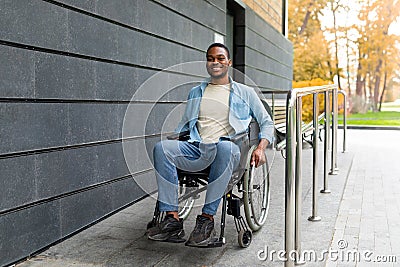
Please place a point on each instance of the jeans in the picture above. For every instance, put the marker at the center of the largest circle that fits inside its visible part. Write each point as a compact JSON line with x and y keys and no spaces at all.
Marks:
{"x":222,"y":157}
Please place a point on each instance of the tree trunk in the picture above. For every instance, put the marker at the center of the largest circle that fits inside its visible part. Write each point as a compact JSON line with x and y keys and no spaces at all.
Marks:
{"x":376,"y":85}
{"x":376,"y":93}
{"x":359,"y":82}
{"x":306,"y":17}
{"x":334,"y":9}
{"x":348,"y":62}
{"x":383,"y":91}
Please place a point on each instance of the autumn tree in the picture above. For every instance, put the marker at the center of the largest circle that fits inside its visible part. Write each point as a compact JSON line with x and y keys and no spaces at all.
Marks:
{"x":377,"y":50}
{"x":373,"y":49}
{"x":312,"y":58}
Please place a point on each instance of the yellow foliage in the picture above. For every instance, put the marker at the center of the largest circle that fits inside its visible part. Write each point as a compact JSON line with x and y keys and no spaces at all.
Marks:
{"x":307,"y":101}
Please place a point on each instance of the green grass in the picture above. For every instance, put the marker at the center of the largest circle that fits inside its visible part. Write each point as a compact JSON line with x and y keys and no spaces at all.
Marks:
{"x":383,"y":118}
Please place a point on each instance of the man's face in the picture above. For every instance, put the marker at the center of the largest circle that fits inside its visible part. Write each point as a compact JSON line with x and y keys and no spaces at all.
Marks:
{"x":218,"y":62}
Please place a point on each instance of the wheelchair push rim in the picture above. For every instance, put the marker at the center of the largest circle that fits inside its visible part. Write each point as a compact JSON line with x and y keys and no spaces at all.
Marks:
{"x":256,"y":193}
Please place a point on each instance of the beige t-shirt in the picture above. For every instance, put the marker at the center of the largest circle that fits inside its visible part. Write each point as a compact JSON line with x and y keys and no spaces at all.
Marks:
{"x":213,"y":121}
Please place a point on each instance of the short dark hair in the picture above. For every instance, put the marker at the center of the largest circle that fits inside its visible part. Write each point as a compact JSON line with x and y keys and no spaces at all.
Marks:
{"x":219,"y":45}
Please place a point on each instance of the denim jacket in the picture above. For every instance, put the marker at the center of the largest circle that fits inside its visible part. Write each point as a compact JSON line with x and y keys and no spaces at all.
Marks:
{"x":244,"y":105}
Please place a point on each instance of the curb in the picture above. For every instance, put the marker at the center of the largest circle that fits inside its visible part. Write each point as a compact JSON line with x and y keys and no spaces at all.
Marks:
{"x":377,"y":127}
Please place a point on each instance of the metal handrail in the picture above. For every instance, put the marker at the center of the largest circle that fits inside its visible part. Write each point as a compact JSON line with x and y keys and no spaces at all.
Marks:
{"x":344,"y":118}
{"x":294,"y":161}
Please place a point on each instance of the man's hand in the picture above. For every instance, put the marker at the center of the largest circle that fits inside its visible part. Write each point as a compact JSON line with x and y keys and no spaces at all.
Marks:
{"x":258,"y":155}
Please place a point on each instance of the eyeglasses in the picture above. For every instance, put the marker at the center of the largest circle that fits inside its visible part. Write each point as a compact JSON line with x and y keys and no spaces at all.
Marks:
{"x":220,"y":59}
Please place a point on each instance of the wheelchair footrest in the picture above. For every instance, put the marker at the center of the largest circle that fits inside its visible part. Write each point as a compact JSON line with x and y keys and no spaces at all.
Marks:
{"x":216,"y":242}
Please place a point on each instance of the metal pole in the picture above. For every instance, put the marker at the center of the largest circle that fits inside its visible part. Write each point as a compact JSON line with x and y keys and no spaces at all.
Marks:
{"x":326,"y":142}
{"x":334,"y":168}
{"x":328,"y":119}
{"x":289,"y":182}
{"x":273,"y":106}
{"x":314,"y":217}
{"x":298,"y":182}
{"x":344,"y":119}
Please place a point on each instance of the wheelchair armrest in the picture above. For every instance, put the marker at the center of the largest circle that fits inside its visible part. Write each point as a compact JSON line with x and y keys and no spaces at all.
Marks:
{"x":240,"y":137}
{"x":183,"y":136}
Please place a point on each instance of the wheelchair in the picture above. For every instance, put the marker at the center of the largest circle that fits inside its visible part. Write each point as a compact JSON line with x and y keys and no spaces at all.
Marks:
{"x":253,"y":191}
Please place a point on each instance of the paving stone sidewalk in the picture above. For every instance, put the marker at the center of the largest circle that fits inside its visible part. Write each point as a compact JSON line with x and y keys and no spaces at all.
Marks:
{"x":367,"y":230}
{"x":368,"y":202}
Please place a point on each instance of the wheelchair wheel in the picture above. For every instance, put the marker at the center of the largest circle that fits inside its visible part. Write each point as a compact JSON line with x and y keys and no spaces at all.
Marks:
{"x":256,"y":193}
{"x":185,"y":207}
{"x":244,"y":238}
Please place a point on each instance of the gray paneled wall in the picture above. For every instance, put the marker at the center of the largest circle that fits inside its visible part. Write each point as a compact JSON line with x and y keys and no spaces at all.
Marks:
{"x":268,"y":55}
{"x":68,"y":70}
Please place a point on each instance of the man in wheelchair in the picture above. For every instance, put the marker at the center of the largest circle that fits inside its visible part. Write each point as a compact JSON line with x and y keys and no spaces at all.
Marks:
{"x":216,"y":110}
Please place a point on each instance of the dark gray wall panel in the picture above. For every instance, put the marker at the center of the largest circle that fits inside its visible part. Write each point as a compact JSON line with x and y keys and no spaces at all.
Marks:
{"x":268,"y":54}
{"x":201,"y":37}
{"x":23,"y":24}
{"x":128,"y":190}
{"x":91,"y":36}
{"x":62,"y":124}
{"x":22,"y":131}
{"x":33,"y":228}
{"x":200,"y":11}
{"x":36,"y":178}
{"x":219,"y":3}
{"x":17,"y":72}
{"x":156,"y":19}
{"x":87,"y":166}
{"x":270,"y":47}
{"x":117,"y":82}
{"x":267,"y":80}
{"x":151,"y":17}
{"x":94,"y":122}
{"x":76,"y":169}
{"x":63,"y":77}
{"x":259,"y":25}
{"x":123,"y":11}
{"x":28,"y":230}
{"x":17,"y":182}
{"x":89,"y":5}
{"x":266,"y":63}
{"x":32,"y":74}
{"x":81,"y":209}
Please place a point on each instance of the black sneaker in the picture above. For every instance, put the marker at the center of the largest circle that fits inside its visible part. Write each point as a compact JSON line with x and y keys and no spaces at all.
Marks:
{"x":169,"y":230}
{"x":203,"y":232}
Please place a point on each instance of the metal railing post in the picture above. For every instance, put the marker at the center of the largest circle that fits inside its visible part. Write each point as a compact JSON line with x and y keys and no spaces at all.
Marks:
{"x":326,"y":141}
{"x":298,"y":182}
{"x":314,"y":217}
{"x":328,"y":118}
{"x":334,"y":168}
{"x":289,"y":182}
{"x":344,"y":118}
{"x":273,"y":105}
{"x":293,"y":168}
